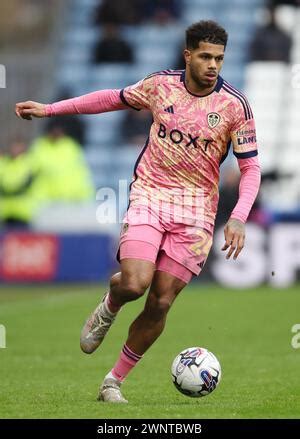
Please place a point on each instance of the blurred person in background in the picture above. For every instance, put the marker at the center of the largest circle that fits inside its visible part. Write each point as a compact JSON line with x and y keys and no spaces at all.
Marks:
{"x":135,"y":127}
{"x":63,"y":172}
{"x":133,"y":12}
{"x":118,"y":13}
{"x":160,"y":11}
{"x":112,"y":47}
{"x":18,"y":190}
{"x":2,"y":158}
{"x":180,"y":62}
{"x":270,"y":43}
{"x":284,"y":2}
{"x":73,"y":126}
{"x":228,"y":193}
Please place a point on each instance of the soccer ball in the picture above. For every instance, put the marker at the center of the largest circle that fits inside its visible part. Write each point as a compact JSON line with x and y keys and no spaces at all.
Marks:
{"x":196,"y":372}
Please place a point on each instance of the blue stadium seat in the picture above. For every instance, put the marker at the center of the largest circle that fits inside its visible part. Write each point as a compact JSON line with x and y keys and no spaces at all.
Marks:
{"x":157,"y":56}
{"x":152,"y":34}
{"x":82,"y":36}
{"x":80,"y":16}
{"x":111,"y":75}
{"x":73,"y":54}
{"x":70,"y":75}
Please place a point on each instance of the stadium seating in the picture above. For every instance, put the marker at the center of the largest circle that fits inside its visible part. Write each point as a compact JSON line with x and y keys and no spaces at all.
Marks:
{"x":274,"y":92}
{"x":264,"y":88}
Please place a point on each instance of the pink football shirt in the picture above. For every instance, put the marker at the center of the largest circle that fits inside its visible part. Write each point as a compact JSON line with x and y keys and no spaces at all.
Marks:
{"x":189,"y":138}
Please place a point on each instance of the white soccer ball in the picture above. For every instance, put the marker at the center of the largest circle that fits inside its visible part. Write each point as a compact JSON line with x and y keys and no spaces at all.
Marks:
{"x":196,"y":372}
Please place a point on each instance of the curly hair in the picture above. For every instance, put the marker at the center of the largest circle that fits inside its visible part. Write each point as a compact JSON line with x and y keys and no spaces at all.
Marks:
{"x":207,"y":31}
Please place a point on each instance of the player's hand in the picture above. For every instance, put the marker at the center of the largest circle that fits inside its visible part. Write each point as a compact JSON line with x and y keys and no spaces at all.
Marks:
{"x":29,"y":109}
{"x":234,"y":232}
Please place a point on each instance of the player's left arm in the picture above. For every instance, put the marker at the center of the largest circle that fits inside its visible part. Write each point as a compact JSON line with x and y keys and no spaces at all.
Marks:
{"x":243,"y":136}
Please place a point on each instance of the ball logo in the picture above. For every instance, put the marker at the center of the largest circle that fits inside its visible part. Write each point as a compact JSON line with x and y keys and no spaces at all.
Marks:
{"x":213,"y":119}
{"x":194,"y":353}
{"x":187,"y":358}
{"x":209,"y":381}
{"x":186,"y":361}
{"x":180,"y":368}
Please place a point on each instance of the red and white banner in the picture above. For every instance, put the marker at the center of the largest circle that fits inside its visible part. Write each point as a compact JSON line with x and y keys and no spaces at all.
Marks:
{"x":28,"y":257}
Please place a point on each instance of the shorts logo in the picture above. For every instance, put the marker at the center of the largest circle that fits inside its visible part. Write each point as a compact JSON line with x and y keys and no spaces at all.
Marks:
{"x":213,"y":119}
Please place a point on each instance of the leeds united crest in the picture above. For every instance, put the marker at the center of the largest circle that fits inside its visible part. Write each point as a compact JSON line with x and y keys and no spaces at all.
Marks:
{"x":213,"y":119}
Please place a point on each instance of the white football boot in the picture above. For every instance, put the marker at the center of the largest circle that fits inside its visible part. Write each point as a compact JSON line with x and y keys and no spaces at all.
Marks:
{"x":96,"y":327}
{"x":110,"y":391}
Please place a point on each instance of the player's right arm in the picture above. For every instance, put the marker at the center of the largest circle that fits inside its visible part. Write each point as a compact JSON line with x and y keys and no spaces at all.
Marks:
{"x":26,"y":110}
{"x":92,"y":103}
{"x":136,"y":96}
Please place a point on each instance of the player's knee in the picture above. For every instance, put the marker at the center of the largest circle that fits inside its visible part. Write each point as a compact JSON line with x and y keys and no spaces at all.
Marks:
{"x":134,"y":288}
{"x":163,"y":305}
{"x":115,"y":280}
{"x":159,"y":306}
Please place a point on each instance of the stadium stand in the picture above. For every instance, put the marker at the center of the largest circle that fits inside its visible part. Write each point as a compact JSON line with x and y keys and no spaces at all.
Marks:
{"x":273,"y":91}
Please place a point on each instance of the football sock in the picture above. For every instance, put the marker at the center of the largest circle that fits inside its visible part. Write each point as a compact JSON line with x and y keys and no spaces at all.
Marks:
{"x":112,"y":306}
{"x":127,"y":360}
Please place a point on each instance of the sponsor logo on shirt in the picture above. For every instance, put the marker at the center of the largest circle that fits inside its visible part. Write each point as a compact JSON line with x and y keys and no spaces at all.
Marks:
{"x":245,"y":140}
{"x":177,"y":137}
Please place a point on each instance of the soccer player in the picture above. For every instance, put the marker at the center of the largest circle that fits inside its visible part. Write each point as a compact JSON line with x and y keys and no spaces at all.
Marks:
{"x":168,"y":227}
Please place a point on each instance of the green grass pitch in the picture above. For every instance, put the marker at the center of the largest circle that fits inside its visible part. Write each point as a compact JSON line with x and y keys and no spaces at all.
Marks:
{"x":45,"y":375}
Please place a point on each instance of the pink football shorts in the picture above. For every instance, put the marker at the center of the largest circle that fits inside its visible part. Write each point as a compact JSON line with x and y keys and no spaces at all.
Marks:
{"x":175,"y":248}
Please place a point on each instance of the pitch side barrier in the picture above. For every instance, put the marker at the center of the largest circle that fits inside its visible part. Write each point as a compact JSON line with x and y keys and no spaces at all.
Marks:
{"x":270,"y":256}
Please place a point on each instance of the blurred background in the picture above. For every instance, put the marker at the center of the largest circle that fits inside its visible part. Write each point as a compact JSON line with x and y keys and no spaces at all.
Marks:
{"x":53,"y":172}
